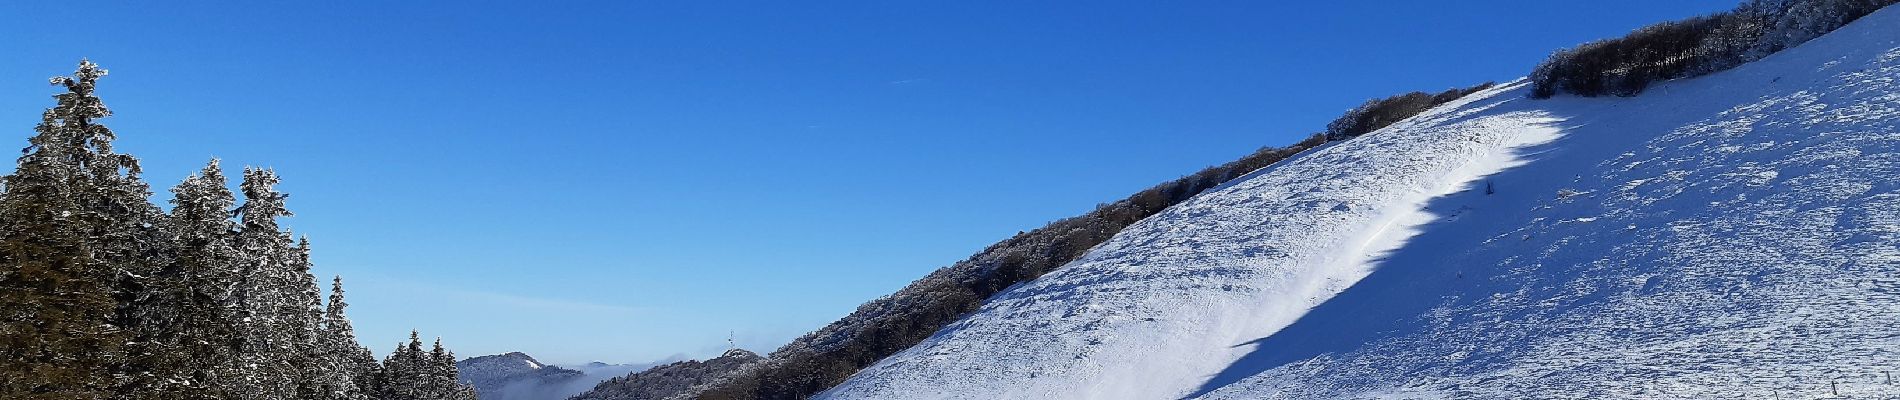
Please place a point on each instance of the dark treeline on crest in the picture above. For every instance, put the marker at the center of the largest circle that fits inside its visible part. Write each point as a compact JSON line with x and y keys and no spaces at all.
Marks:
{"x":103,"y":295}
{"x":1692,"y":47}
{"x":1379,"y":113}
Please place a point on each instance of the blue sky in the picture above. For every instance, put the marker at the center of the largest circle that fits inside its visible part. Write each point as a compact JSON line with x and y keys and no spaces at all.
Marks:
{"x":626,"y":181}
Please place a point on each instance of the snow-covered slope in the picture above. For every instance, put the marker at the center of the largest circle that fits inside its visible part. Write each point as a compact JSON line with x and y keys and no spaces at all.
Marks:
{"x":1730,"y":235}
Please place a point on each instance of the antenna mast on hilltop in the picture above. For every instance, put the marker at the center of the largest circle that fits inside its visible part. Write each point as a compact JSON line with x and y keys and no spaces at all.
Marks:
{"x":731,"y":344}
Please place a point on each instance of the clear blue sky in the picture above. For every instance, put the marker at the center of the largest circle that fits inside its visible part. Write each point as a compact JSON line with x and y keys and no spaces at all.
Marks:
{"x":624,"y":181}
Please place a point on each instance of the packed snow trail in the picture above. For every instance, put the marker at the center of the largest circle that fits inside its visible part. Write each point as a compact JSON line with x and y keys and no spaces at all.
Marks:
{"x":1730,"y":235}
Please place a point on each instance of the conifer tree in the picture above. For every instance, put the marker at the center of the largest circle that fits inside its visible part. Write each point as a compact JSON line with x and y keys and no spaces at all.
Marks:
{"x":402,"y":371}
{"x":346,"y":365}
{"x":410,"y":373}
{"x":444,"y":380}
{"x":447,"y":378}
{"x":441,"y":374}
{"x":265,"y":299}
{"x":305,"y":315}
{"x":189,"y":355}
{"x":73,"y":252}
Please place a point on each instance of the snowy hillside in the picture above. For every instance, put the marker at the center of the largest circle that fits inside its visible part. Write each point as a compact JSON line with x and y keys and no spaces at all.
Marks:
{"x":1729,"y":235}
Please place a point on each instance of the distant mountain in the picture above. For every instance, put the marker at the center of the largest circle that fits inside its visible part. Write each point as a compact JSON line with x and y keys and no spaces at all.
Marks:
{"x":512,"y":376}
{"x":518,"y":376}
{"x":671,"y":379}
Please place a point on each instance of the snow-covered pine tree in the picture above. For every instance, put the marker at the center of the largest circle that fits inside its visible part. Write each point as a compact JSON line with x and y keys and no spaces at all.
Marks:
{"x":372,"y":382}
{"x":382,"y":376}
{"x":305,"y":314}
{"x":190,"y":355}
{"x":444,"y":380}
{"x":410,"y":373}
{"x":266,"y":298}
{"x":125,"y":231}
{"x":403,"y":370}
{"x":441,"y":376}
{"x":77,"y":229}
{"x":347,"y":365}
{"x":440,"y":380}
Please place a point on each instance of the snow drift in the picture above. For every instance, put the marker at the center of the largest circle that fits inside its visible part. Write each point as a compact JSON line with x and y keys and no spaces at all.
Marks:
{"x":1730,"y":235}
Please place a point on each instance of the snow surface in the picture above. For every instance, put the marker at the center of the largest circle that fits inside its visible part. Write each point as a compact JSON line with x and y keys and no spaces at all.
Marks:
{"x":1726,"y":236}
